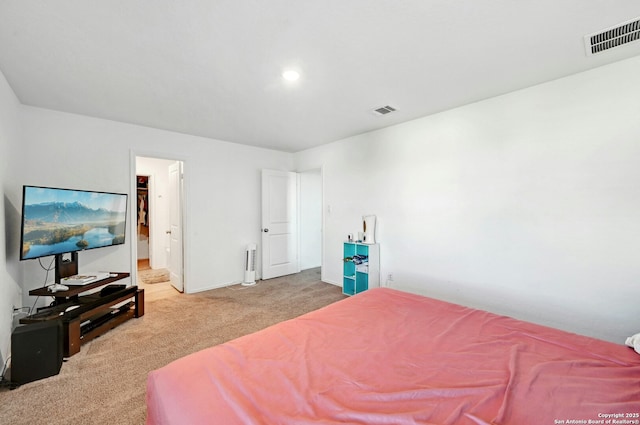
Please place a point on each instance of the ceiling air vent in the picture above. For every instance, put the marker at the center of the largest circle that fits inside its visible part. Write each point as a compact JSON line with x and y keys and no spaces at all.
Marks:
{"x":609,"y":38}
{"x":384,"y":110}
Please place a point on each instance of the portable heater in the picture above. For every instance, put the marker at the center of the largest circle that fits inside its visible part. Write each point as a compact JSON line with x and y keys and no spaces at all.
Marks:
{"x":250,"y":265}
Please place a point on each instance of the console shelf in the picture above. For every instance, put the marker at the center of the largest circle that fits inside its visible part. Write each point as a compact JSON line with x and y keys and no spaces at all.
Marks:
{"x":75,"y":290}
{"x":93,"y":315}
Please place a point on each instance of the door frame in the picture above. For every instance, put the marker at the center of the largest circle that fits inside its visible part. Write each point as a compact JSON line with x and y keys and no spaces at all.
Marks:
{"x":323,"y":217}
{"x":133,"y":214}
{"x":322,"y":213}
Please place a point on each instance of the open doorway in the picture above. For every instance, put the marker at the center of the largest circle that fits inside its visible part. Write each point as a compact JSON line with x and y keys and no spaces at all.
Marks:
{"x":310,"y":220}
{"x":291,"y":223}
{"x":159,"y":237}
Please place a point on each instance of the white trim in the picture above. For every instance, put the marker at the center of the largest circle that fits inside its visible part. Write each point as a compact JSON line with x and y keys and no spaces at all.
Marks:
{"x":298,"y":215}
{"x":186,"y":265}
{"x":323,"y":218}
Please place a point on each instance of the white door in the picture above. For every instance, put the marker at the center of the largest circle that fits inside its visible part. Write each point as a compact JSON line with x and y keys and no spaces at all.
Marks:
{"x":175,"y":226}
{"x":279,"y":224}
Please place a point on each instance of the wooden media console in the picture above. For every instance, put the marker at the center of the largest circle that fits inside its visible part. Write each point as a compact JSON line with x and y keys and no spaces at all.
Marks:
{"x":85,"y":317}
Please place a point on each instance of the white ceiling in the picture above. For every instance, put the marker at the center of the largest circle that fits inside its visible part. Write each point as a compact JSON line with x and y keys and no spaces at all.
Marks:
{"x":213,"y":67}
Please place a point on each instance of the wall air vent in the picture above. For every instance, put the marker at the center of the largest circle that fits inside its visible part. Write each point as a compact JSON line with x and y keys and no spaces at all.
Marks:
{"x":609,"y":38}
{"x":384,"y":110}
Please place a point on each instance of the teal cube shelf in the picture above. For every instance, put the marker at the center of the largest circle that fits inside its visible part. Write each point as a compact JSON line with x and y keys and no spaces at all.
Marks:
{"x":359,"y":277}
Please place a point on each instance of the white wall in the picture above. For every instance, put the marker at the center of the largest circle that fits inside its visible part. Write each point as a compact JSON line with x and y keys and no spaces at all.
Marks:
{"x":310,"y":201}
{"x":9,"y":217}
{"x":526,"y":204}
{"x":222,"y":187}
{"x":158,"y":170}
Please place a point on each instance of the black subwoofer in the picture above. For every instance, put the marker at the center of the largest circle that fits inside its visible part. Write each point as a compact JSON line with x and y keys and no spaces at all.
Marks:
{"x":36,"y":351}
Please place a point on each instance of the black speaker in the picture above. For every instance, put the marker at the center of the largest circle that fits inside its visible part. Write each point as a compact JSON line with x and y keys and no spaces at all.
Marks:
{"x":36,"y":351}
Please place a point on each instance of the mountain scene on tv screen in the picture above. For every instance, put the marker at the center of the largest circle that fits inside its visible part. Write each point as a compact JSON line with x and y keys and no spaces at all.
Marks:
{"x":57,"y":227}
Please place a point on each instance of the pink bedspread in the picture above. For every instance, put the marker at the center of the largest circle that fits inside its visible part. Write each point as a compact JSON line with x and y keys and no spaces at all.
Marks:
{"x":388,"y":357}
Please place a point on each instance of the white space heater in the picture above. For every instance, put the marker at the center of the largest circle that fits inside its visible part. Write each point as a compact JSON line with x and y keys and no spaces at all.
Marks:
{"x":250,"y":265}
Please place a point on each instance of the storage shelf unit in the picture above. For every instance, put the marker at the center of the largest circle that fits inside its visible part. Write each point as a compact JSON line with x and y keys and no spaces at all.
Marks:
{"x":94,"y":313}
{"x":360,"y":277}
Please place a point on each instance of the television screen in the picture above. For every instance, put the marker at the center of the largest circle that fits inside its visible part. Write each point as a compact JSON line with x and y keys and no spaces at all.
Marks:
{"x":58,"y":221}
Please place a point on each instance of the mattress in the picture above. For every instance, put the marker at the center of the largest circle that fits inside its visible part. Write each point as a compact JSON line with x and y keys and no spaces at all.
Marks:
{"x":390,"y":357}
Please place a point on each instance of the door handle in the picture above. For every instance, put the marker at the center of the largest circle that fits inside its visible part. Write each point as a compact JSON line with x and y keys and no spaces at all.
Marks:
{"x":168,"y":232}
{"x":265,"y":230}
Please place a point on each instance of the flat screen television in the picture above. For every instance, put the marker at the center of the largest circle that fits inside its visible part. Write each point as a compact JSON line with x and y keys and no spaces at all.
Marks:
{"x":57,"y":221}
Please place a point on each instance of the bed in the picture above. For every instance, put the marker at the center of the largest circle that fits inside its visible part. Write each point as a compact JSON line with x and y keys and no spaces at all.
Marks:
{"x":390,"y":357}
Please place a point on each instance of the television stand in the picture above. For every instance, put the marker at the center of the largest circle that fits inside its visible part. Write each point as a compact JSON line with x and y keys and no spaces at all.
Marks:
{"x":93,"y":314}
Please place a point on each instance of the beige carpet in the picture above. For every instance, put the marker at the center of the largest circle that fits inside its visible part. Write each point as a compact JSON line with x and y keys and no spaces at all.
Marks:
{"x":150,"y":276}
{"x":105,"y":382}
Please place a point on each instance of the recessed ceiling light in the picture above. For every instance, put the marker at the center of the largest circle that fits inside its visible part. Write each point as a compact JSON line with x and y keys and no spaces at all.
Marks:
{"x":291,"y":75}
